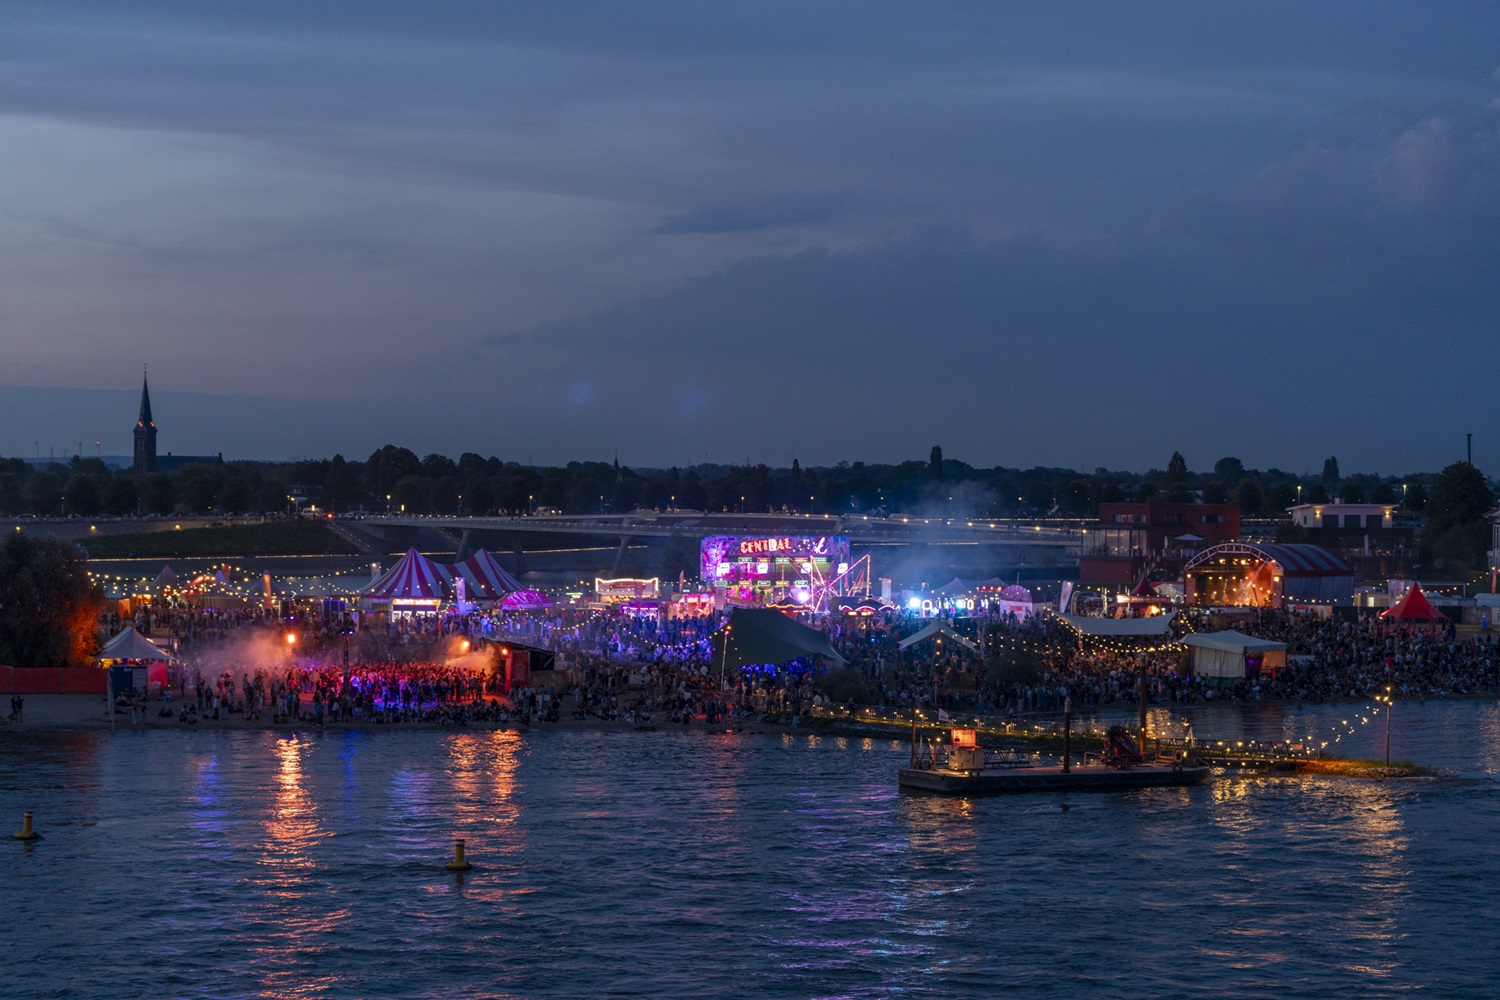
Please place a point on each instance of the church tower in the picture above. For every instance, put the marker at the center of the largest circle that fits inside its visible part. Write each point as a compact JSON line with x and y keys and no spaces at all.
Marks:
{"x":145,"y":434}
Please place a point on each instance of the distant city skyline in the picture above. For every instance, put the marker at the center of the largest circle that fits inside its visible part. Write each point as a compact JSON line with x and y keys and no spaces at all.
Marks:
{"x":202,"y":413}
{"x":1076,"y":236}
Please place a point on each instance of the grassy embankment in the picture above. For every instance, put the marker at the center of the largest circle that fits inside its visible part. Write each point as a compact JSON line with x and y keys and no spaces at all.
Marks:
{"x":274,"y":538}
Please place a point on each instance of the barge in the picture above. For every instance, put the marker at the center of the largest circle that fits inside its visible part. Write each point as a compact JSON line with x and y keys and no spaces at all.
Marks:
{"x":965,"y":768}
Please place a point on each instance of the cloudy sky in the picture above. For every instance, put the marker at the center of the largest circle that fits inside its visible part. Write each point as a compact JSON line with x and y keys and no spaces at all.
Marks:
{"x":1075,"y":235}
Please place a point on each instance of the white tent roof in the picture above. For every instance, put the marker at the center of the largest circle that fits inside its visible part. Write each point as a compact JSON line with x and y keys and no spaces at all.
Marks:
{"x":932,"y":630}
{"x":1157,"y":625}
{"x":131,"y":645}
{"x":1230,"y":641}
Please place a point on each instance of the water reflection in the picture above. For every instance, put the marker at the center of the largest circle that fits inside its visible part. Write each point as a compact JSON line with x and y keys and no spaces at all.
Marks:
{"x":292,"y":825}
{"x":729,"y":867}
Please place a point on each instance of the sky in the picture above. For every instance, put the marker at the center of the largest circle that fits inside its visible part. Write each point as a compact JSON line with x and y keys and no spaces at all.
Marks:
{"x":1071,"y":235}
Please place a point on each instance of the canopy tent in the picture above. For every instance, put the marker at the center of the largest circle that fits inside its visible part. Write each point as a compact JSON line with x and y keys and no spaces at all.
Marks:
{"x":413,"y":578}
{"x":1144,"y":588}
{"x":166,"y":579}
{"x":525,"y":600}
{"x":1413,"y":606}
{"x":1233,"y":655}
{"x":1016,"y":600}
{"x":933,"y":630}
{"x":1154,"y":627}
{"x":484,"y":577}
{"x":754,"y":636}
{"x":131,"y":645}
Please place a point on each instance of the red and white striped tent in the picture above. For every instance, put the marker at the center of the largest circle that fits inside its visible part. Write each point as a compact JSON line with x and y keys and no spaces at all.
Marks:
{"x":413,"y":578}
{"x":484,"y":578}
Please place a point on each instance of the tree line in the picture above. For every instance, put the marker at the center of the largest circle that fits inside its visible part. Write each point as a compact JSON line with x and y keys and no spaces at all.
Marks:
{"x":394,"y":478}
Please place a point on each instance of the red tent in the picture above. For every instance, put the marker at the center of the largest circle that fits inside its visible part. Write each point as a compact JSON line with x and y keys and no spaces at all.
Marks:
{"x":1144,"y":588}
{"x":1413,"y":605}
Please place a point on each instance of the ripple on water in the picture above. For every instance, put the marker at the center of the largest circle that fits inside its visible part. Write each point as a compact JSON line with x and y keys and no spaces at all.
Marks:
{"x":234,"y":863}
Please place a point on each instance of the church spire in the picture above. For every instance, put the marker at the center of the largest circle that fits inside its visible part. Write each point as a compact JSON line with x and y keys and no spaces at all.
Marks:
{"x":145,"y":433}
{"x":144,"y":420}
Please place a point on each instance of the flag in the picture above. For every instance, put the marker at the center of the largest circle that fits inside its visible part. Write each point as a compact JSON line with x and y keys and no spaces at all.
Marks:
{"x":943,"y":716}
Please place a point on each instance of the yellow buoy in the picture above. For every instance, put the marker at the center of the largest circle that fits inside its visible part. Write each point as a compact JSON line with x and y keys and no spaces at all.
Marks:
{"x":458,"y":864}
{"x":27,"y":833}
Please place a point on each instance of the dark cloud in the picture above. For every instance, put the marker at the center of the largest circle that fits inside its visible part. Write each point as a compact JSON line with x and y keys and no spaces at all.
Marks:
{"x":748,"y":216}
{"x":1063,"y":235}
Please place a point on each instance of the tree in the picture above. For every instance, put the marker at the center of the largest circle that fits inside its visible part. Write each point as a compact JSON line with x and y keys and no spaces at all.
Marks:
{"x":48,"y":607}
{"x":1214,"y":492}
{"x":85,"y":493}
{"x":1229,"y":470}
{"x":339,"y":485}
{"x":1281,"y":498}
{"x":1416,"y":498}
{"x":409,"y":493}
{"x":1177,"y":470}
{"x":1251,"y":498}
{"x":235,"y":495}
{"x":1456,"y":534}
{"x":935,"y":463}
{"x":43,"y":493}
{"x":387,"y":465}
{"x":158,"y":495}
{"x":1331,"y":473}
{"x":121,"y":497}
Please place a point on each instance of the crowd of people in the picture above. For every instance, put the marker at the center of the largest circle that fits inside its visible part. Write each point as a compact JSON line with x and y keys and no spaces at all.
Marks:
{"x":614,"y":667}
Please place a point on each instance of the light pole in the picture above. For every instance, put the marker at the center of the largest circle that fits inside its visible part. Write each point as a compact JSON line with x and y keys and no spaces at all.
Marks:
{"x":346,"y":627}
{"x":724,"y":660}
{"x":1388,"y":702}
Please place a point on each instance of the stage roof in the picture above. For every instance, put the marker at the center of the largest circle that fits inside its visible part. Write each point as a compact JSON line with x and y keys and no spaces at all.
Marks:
{"x":761,"y":635}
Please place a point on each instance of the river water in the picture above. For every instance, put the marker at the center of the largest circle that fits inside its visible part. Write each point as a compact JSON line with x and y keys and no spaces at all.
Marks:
{"x":227,"y":864}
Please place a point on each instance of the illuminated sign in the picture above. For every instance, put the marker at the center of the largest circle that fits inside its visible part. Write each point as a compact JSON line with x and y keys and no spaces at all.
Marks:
{"x":625,"y":589}
{"x":760,"y":554}
{"x":788,"y":545}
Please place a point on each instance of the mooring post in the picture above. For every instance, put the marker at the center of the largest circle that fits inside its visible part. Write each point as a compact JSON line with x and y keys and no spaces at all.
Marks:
{"x":1067,"y":734}
{"x":914,"y":736}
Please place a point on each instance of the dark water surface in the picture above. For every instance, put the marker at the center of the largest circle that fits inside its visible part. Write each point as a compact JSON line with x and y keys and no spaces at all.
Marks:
{"x":212,"y":864}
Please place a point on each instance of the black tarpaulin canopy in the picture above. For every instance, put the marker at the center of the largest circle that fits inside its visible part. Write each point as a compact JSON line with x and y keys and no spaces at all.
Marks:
{"x":760,"y":635}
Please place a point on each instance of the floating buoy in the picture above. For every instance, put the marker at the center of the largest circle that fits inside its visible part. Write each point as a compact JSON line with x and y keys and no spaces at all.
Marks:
{"x":27,"y":833}
{"x":458,"y":864}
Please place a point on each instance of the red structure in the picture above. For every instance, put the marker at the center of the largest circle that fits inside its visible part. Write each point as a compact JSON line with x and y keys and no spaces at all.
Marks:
{"x":1414,"y":606}
{"x":1132,"y":541}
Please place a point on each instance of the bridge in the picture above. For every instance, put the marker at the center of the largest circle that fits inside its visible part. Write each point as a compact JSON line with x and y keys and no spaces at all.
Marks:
{"x":1063,"y":537}
{"x":861,"y":529}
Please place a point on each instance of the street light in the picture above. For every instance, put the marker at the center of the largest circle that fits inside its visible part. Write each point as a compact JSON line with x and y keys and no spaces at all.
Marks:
{"x":1388,"y":703}
{"x":724,"y":659}
{"x":346,"y":629}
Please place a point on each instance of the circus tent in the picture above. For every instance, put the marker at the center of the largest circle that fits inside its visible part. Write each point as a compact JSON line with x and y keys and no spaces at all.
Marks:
{"x":1413,"y":606}
{"x":414,"y":583}
{"x":484,"y":578}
